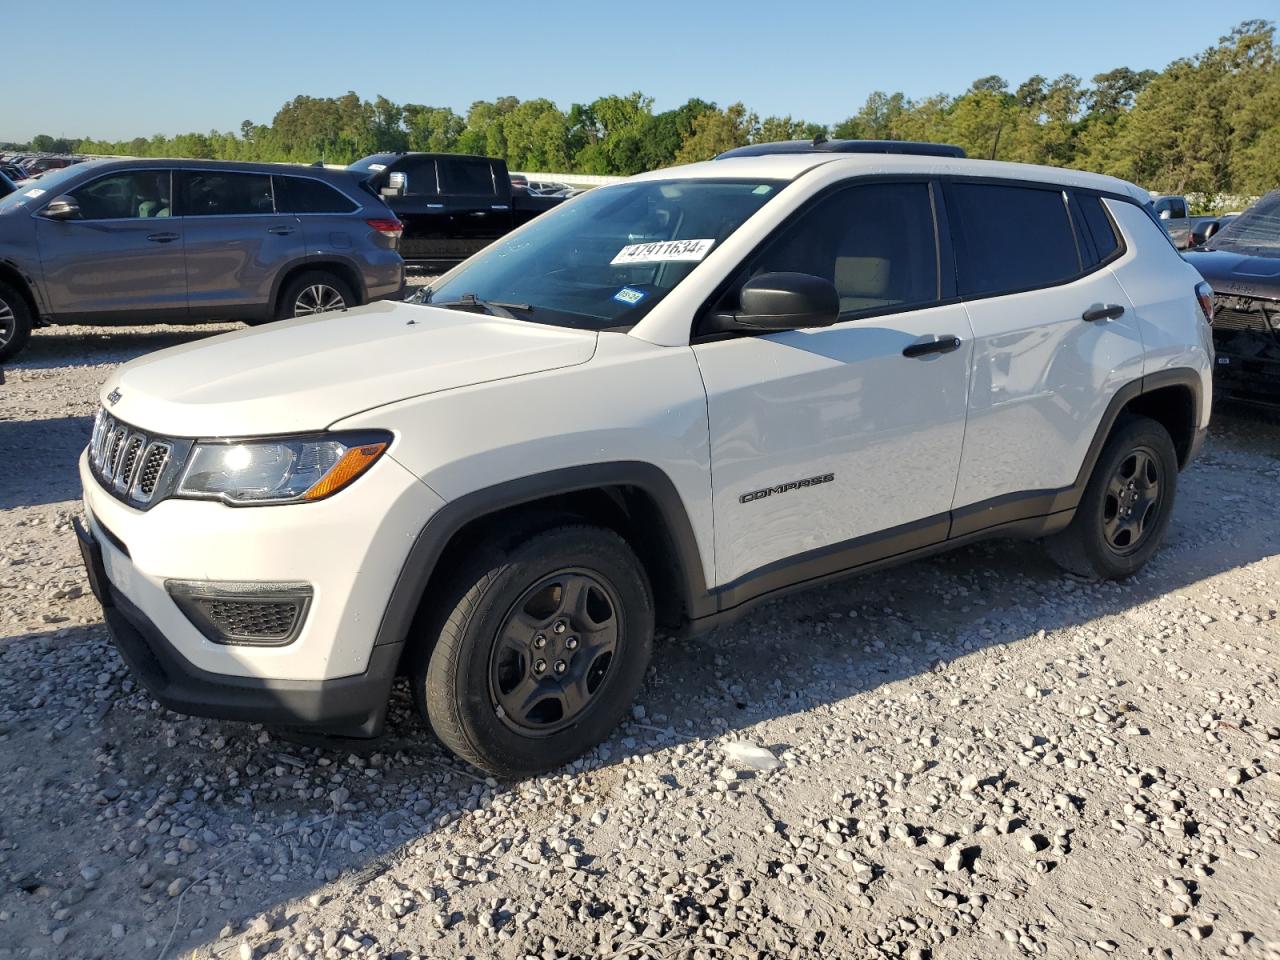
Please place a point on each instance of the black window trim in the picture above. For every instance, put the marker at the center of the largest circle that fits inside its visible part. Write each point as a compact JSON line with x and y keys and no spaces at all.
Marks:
{"x":1121,"y":248}
{"x":947,"y":281}
{"x":173,"y":200}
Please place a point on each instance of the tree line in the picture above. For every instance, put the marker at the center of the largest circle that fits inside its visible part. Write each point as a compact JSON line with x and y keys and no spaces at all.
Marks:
{"x":1209,"y":123}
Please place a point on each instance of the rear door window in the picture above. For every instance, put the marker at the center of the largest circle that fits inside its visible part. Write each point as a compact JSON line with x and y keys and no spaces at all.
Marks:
{"x":207,"y":193}
{"x":1010,"y":238}
{"x":467,"y":178}
{"x":304,"y":195}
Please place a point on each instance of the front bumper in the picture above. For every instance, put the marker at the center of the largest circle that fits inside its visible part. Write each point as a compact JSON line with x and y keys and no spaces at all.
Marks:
{"x":351,"y":706}
{"x":335,"y":670}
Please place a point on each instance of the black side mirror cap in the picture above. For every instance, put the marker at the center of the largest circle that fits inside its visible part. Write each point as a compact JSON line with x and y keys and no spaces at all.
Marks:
{"x":781,"y":301}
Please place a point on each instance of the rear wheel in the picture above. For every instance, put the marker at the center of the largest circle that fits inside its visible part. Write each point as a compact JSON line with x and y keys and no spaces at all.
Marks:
{"x":1125,"y":510}
{"x":15,"y":321}
{"x":315,"y":291}
{"x":538,"y":650}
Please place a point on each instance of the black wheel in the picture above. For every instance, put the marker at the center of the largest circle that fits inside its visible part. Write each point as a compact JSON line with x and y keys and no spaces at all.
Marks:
{"x":1126,"y":507}
{"x":15,"y":322}
{"x":315,"y":291}
{"x":538,"y":650}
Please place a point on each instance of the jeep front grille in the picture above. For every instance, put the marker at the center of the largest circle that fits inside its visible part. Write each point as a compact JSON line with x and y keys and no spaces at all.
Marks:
{"x":131,"y":464}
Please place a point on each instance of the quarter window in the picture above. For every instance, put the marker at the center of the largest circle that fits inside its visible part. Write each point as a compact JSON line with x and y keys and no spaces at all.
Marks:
{"x":875,"y":242}
{"x":1010,"y":238}
{"x":1099,"y":224}
{"x":217,"y":193}
{"x":304,"y":195}
{"x":126,"y":196}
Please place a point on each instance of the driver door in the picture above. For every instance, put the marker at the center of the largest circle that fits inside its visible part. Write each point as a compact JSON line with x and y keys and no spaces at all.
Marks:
{"x":831,"y":447}
{"x":124,"y":255}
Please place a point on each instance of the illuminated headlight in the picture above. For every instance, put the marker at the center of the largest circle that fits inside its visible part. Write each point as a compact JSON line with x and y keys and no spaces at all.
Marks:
{"x":285,"y":470}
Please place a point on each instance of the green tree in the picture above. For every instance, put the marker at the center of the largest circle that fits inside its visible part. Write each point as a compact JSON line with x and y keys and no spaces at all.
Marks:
{"x":716,"y":131}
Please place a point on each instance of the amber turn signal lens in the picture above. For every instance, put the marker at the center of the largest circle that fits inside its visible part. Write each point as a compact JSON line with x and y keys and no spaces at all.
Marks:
{"x":353,"y":463}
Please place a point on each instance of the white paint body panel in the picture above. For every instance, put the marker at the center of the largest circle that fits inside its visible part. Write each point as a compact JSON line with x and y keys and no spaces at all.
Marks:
{"x":840,"y":400}
{"x":305,"y":373}
{"x":1042,"y":379}
{"x":1161,"y":285}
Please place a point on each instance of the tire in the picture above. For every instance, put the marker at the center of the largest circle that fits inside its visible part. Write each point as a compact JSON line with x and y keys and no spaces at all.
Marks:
{"x":326,"y":290}
{"x":495,"y":643}
{"x":15,"y":322}
{"x":1138,"y":454}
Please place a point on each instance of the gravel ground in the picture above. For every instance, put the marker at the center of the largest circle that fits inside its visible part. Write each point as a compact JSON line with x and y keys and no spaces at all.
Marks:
{"x":973,"y":756}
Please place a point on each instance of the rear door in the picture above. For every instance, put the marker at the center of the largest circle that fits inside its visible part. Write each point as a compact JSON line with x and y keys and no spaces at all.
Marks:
{"x":1030,"y":274}
{"x":322,"y":211}
{"x":123,"y":256}
{"x":479,"y":207}
{"x":237,"y":243}
{"x":831,"y":447}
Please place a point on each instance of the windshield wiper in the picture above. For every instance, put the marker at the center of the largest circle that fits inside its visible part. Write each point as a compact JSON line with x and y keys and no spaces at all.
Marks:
{"x":470,"y":303}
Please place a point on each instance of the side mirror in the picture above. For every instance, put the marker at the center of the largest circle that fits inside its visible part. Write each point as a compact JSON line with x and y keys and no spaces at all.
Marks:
{"x":1203,"y":230}
{"x":1166,"y":214}
{"x":62,"y":208}
{"x":782,"y":301}
{"x":397,"y":185}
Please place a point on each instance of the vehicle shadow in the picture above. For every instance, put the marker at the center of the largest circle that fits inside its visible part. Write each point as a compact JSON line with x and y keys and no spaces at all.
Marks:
{"x":85,"y":346}
{"x":54,"y":446}
{"x":278,"y":821}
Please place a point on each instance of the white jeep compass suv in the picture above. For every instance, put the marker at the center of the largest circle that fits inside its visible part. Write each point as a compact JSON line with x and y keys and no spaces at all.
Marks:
{"x":655,"y":406}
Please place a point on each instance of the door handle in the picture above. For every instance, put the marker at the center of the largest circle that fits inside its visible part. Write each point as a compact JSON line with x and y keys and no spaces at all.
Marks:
{"x":479,"y":213}
{"x":162,"y":237}
{"x":1109,"y":311}
{"x":925,"y":348}
{"x":280,"y":231}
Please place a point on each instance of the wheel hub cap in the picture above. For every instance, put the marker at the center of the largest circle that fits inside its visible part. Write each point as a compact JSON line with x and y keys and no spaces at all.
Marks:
{"x":553,"y":652}
{"x":317,"y":298}
{"x":8,"y":323}
{"x":1132,"y":501}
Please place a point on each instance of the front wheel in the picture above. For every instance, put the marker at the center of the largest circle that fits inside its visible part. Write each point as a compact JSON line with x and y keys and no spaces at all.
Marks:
{"x":15,"y":322}
{"x":538,"y":650}
{"x":1126,"y":507}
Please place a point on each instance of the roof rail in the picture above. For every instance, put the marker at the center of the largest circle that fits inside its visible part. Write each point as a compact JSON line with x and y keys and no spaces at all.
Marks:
{"x":820,"y":144}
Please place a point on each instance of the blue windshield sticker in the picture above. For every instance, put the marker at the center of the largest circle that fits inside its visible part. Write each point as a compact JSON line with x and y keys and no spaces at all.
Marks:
{"x":629,"y":295}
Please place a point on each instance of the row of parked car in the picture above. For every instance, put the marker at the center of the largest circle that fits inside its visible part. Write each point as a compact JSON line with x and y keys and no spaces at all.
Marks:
{"x":129,"y":241}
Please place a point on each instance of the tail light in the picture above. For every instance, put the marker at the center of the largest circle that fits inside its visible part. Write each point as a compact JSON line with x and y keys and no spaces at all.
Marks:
{"x":1204,"y":293}
{"x":388,"y":228}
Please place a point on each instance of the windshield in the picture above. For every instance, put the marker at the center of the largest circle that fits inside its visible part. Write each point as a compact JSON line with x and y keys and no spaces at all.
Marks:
{"x":1257,"y":230}
{"x":39,"y":192}
{"x":609,"y":257}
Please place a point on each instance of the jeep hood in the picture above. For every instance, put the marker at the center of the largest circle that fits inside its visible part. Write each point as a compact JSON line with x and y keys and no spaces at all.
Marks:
{"x":1243,"y":273}
{"x":305,"y":374}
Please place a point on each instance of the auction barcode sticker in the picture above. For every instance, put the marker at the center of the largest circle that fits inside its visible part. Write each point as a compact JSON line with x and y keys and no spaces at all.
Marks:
{"x":687,"y":251}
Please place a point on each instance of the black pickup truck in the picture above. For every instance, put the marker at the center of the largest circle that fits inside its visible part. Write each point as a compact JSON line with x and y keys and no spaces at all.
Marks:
{"x":452,"y":205}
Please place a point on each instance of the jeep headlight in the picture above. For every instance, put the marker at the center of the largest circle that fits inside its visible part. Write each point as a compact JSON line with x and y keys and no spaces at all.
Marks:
{"x":283,"y":470}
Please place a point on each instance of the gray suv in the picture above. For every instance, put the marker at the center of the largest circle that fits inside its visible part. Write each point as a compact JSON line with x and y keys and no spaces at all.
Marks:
{"x":178,"y":241}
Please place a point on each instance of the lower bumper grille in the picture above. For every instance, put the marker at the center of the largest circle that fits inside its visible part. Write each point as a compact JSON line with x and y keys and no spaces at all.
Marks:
{"x":249,"y":614}
{"x":1250,"y":314}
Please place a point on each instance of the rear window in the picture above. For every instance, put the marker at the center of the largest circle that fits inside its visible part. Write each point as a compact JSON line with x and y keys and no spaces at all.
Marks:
{"x":1099,"y":225}
{"x":304,"y":195}
{"x":1010,"y":238}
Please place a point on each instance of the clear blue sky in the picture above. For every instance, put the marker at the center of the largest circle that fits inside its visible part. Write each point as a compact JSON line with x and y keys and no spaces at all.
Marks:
{"x":139,"y":67}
